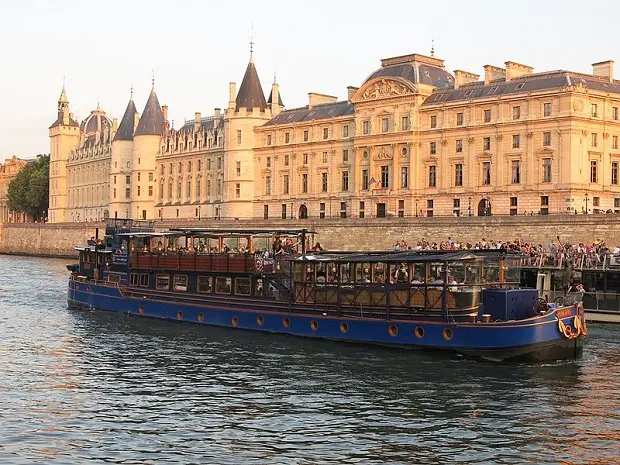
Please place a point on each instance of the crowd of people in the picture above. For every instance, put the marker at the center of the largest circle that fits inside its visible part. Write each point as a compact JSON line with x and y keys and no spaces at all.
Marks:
{"x":556,"y":253}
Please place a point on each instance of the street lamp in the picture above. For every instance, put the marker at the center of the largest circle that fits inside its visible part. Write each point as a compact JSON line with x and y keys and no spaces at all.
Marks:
{"x":586,"y":203}
{"x":469,"y":206}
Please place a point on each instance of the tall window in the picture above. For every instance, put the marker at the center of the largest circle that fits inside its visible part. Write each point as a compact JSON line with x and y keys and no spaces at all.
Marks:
{"x":345,"y":155}
{"x":404,"y":177}
{"x":459,"y":119}
{"x":238,"y":168}
{"x":198,"y":188}
{"x":547,"y":109}
{"x":208,"y":187}
{"x":285,"y":184}
{"x":268,"y":185}
{"x":546,"y":169}
{"x":593,"y":171}
{"x":546,"y":139}
{"x":325,"y":133}
{"x":345,"y":131}
{"x":324,"y":157}
{"x":433,"y":121}
{"x":287,"y":137}
{"x":345,"y":181}
{"x":404,"y":123}
{"x":458,"y":175}
{"x":237,"y":190}
{"x":343,"y":209}
{"x":304,"y":183}
{"x":516,"y":172}
{"x":614,"y":172}
{"x":305,"y":158}
{"x":385,"y":122}
{"x":385,"y":177}
{"x":218,"y":187}
{"x":268,"y":162}
{"x":268,"y":139}
{"x":238,"y":136}
{"x":283,"y":211}
{"x":324,"y":182}
{"x":365,"y":180}
{"x":614,"y":113}
{"x":486,"y":143}
{"x":188,"y":190}
{"x":401,"y":208}
{"x":433,"y":148}
{"x":514,"y":202}
{"x":459,"y":145}
{"x":516,"y":141}
{"x":594,"y":110}
{"x":265,"y":211}
{"x":286,"y":160}
{"x":487,"y":116}
{"x":614,"y":142}
{"x":486,"y":173}
{"x":362,"y":207}
{"x":594,"y":139}
{"x":516,"y":112}
{"x":544,"y":204}
{"x":322,"y":210}
{"x":306,"y":135}
{"x":432,"y":176}
{"x":366,"y":127}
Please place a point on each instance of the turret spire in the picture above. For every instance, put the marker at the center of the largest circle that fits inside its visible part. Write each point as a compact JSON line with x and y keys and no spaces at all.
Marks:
{"x":125,"y":129}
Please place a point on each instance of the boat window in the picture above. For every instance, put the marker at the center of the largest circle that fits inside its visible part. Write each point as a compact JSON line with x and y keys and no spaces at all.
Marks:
{"x":472,"y":273}
{"x":345,"y":273}
{"x":223,"y":285}
{"x":436,"y":273}
{"x":378,"y":273}
{"x":162,"y":281}
{"x":242,"y":286}
{"x":401,"y":274}
{"x":298,"y":269}
{"x":456,"y":272}
{"x":321,"y":273}
{"x":362,"y":272}
{"x":309,"y":272}
{"x":491,"y":272}
{"x":259,"y":287}
{"x":205,"y":284}
{"x":180,"y":282}
{"x":417,"y":273}
{"x":144,"y":280}
{"x":133,"y":279}
{"x":332,"y":273}
{"x":512,"y":269}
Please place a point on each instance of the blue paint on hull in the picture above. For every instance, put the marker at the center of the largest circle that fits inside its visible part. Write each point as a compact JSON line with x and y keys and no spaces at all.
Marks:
{"x":534,"y":339}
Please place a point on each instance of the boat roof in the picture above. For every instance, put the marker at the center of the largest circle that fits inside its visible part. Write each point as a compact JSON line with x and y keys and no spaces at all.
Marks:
{"x":399,"y":257}
{"x":92,"y":248}
{"x":219,"y":232}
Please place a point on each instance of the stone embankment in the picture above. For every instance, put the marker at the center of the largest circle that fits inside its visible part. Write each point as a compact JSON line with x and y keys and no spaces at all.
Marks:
{"x":343,"y":234}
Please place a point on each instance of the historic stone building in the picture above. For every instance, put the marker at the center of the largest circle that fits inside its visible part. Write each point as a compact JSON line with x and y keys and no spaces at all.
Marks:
{"x":415,"y":139}
{"x":412,"y":140}
{"x":8,"y":171}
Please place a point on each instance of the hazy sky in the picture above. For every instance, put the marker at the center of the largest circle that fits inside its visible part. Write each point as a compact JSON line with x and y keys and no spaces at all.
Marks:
{"x":197,"y":47}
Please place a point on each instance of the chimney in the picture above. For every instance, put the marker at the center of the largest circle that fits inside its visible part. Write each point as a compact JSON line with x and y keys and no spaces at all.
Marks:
{"x":604,"y":69}
{"x":164,"y":109}
{"x":317,"y":99}
{"x":216,"y":117}
{"x":232,"y":95}
{"x":115,"y":124}
{"x":464,"y":77}
{"x":351,"y":92}
{"x":515,"y":70}
{"x":493,"y":73}
{"x":197,"y":116}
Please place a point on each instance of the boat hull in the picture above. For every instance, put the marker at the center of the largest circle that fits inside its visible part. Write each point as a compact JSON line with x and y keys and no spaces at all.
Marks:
{"x":532,"y":340}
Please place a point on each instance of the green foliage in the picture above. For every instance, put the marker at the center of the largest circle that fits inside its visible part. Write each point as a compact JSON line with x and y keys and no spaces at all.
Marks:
{"x":29,"y":190}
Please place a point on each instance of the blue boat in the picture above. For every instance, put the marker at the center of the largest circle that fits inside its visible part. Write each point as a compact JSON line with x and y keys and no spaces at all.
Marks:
{"x":465,"y":303}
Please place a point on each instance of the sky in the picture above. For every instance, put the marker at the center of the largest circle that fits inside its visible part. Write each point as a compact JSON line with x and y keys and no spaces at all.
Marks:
{"x":195,"y":48}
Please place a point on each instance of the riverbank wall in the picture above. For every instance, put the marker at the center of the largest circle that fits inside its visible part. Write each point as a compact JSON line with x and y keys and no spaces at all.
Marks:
{"x":58,"y":240}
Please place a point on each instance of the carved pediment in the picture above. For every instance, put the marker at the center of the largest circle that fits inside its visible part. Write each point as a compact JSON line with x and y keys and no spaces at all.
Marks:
{"x":383,"y":153}
{"x":381,"y":88}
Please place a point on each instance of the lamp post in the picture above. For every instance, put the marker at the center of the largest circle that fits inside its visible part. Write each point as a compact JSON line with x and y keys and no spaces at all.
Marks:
{"x":469,"y":206}
{"x":586,"y":203}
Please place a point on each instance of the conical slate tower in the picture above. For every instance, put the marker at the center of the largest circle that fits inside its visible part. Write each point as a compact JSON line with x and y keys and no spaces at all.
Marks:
{"x":152,"y":119}
{"x":251,"y":94}
{"x":125,"y":129}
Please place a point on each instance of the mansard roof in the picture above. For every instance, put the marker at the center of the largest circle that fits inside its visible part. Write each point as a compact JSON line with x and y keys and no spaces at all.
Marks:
{"x":125,"y":129}
{"x":416,"y":68}
{"x":270,"y":99}
{"x":533,"y":82}
{"x":152,"y":119}
{"x":304,"y":114}
{"x":251,"y":92}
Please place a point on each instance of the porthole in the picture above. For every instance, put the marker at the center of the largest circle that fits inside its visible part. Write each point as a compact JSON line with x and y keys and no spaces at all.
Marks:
{"x":447,"y":334}
{"x":314,"y":325}
{"x":344,"y":327}
{"x":179,"y":315}
{"x":286,"y":322}
{"x":141,"y":310}
{"x":260,"y":321}
{"x":419,"y":332}
{"x":201,"y":318}
{"x":235,"y":321}
{"x":393,"y":330}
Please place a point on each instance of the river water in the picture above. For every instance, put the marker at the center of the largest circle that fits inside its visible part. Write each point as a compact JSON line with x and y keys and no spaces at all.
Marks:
{"x":95,"y":387}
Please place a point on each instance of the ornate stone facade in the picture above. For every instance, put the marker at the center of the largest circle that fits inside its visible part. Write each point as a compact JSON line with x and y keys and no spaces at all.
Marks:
{"x":413,"y":140}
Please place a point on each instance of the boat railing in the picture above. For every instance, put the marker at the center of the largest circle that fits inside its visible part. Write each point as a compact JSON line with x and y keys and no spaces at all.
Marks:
{"x":183,"y":261}
{"x":589,"y":261}
{"x":604,"y":302}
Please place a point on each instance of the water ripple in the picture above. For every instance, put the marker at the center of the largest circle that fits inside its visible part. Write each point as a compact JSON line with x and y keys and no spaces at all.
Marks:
{"x":89,"y":386}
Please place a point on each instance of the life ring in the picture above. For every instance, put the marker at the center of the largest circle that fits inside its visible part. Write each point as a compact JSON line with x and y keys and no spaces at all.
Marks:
{"x":568,"y":332}
{"x":580,"y":326}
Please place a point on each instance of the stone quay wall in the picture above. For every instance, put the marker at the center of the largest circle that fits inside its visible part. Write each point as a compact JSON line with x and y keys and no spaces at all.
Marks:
{"x":343,"y":234}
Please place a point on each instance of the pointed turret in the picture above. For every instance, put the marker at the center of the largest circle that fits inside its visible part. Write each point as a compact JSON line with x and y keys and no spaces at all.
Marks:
{"x":270,"y":99}
{"x":125,"y":129}
{"x":251,"y":94}
{"x":64,"y":116}
{"x":152,"y":119}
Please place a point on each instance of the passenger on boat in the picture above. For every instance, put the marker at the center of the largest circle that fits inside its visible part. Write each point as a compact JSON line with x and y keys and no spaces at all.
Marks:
{"x":160,"y":247}
{"x":417,"y":280}
{"x":317,"y":247}
{"x":401,"y":276}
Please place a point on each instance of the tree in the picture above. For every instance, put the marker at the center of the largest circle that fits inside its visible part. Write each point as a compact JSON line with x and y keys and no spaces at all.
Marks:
{"x":29,"y":191}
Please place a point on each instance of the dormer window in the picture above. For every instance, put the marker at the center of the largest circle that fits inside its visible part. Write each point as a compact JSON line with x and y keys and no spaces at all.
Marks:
{"x":519,"y":86}
{"x":493,"y":89}
{"x":468,"y":93}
